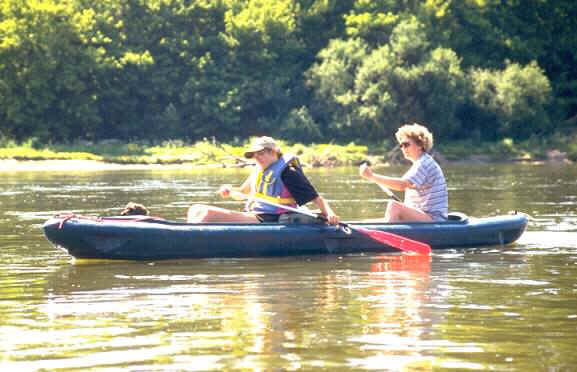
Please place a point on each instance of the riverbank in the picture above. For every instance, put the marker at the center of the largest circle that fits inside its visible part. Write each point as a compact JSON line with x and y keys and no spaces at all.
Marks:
{"x":13,"y":165}
{"x":174,"y":154}
{"x":113,"y":155}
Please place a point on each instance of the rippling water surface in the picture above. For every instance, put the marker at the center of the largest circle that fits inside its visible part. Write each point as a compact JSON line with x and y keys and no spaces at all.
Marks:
{"x":488,"y":308}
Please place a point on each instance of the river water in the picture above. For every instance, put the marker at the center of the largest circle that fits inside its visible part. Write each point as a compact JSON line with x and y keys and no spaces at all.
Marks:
{"x":511,"y":308}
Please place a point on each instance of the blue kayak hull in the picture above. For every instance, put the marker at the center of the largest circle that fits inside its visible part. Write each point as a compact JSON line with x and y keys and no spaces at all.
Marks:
{"x":157,"y":239}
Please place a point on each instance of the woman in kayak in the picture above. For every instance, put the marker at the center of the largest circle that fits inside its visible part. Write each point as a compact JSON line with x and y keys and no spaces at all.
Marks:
{"x":278,"y":179}
{"x":426,"y":196}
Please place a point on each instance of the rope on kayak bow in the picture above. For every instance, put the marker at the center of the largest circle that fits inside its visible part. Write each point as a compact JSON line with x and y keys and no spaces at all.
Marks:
{"x":64,"y":219}
{"x":68,"y":216}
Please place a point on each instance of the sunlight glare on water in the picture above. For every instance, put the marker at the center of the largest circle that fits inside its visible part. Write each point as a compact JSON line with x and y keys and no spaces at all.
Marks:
{"x":482,"y":308}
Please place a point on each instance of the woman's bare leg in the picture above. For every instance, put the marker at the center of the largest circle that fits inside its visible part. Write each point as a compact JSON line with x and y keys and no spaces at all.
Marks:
{"x":397,"y":211}
{"x":200,"y":213}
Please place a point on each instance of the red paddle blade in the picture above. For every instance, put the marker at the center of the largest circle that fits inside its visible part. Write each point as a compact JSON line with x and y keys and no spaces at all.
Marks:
{"x":397,"y":241}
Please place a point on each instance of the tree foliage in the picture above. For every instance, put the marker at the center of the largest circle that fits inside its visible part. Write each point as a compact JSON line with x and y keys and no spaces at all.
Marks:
{"x":516,"y":98}
{"x":373,"y":91}
{"x":307,"y":70}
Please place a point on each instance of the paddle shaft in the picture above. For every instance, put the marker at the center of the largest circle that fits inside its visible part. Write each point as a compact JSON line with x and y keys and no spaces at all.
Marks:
{"x":390,"y":239}
{"x":389,"y":192}
{"x":271,"y":203}
{"x":383,"y":187}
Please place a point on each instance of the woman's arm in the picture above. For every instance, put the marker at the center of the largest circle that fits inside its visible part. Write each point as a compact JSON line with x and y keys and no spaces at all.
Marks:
{"x":395,"y":183}
{"x":303,"y":192}
{"x":228,"y":191}
{"x":326,"y":210}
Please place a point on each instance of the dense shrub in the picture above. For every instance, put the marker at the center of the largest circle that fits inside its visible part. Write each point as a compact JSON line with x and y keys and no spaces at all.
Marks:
{"x":308,"y":70}
{"x":516,"y":99}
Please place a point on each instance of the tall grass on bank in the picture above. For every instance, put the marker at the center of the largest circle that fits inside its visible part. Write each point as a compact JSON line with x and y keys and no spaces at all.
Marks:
{"x":177,"y":152}
{"x":559,"y":145}
{"x":212,"y":153}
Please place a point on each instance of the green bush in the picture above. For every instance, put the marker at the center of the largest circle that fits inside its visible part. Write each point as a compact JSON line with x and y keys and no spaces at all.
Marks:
{"x":368,"y":93}
{"x":516,"y":98}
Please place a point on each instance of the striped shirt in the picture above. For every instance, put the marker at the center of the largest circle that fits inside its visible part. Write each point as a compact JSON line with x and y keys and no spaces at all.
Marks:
{"x":430,"y":193}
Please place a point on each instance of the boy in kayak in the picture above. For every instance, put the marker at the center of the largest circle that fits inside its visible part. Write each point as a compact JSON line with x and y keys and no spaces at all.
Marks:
{"x":278,"y":179}
{"x":426,"y":195}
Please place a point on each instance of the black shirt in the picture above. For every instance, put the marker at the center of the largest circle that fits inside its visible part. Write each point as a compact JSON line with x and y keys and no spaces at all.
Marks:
{"x":298,"y":185}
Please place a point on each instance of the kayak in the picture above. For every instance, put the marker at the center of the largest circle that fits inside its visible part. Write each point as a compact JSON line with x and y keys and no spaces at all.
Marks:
{"x":150,"y":238}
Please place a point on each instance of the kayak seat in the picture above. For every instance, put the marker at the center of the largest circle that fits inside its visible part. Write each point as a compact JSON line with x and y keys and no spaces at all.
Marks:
{"x":297,"y":218}
{"x":457,"y":217}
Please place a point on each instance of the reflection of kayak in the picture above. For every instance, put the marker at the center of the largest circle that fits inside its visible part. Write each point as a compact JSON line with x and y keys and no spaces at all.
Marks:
{"x":147,"y":238}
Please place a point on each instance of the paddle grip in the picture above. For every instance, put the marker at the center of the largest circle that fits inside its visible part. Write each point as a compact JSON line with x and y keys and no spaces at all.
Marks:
{"x":346,"y":228}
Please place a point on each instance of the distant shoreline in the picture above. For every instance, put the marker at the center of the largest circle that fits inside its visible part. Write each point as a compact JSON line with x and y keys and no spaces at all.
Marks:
{"x":106,"y":156}
{"x":10,"y":165}
{"x":13,"y":165}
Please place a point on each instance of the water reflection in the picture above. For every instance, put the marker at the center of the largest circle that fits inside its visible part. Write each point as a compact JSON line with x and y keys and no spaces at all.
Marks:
{"x":503,"y":308}
{"x":235,"y":314}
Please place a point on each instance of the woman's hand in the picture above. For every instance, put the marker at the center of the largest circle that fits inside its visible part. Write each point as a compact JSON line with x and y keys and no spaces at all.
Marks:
{"x":332,"y":218}
{"x":224,"y":191}
{"x":365,"y":171}
{"x":228,"y":191}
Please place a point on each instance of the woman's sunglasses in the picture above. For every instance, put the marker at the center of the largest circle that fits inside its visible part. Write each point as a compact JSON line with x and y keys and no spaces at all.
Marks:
{"x":261,"y":152}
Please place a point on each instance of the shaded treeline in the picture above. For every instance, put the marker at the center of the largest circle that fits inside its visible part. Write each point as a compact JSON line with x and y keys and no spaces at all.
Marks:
{"x":304,"y":70}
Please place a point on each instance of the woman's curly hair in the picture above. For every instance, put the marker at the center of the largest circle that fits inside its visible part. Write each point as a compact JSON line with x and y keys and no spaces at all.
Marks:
{"x":418,"y":133}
